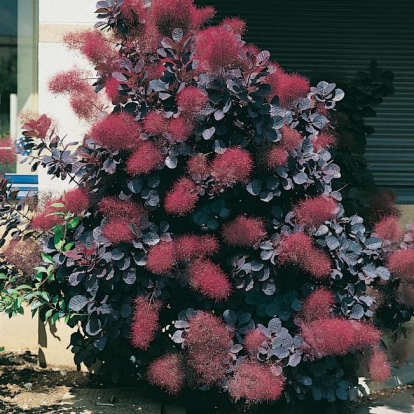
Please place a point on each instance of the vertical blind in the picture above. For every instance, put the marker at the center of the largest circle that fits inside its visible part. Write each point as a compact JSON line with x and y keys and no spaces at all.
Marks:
{"x":343,"y":36}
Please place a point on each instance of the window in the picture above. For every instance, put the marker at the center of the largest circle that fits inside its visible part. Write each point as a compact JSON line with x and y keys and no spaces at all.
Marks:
{"x":18,"y":75}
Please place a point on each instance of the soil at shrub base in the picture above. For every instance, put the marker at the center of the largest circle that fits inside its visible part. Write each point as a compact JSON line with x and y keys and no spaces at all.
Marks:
{"x":27,"y":388}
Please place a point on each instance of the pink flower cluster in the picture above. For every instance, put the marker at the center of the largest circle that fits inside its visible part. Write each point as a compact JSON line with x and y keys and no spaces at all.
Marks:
{"x":7,"y":153}
{"x":287,"y":87}
{"x":378,"y":366}
{"x":93,"y":45}
{"x":278,"y":154}
{"x":203,"y":274}
{"x":208,"y":343}
{"x":334,"y":336}
{"x":76,"y":200}
{"x":323,"y":141}
{"x":72,"y":81}
{"x":180,"y":129}
{"x":145,"y":321}
{"x":118,"y":231}
{"x":168,"y":373}
{"x":232,"y":166}
{"x":298,"y":249}
{"x":155,"y":123}
{"x":313,"y":212}
{"x":254,"y":340}
{"x":182,"y":198}
{"x":82,"y":95}
{"x":163,"y":256}
{"x":255,"y":383}
{"x":276,"y":157}
{"x":111,"y":89}
{"x":291,"y":138}
{"x":218,"y":49}
{"x":122,"y":214}
{"x":191,"y":100}
{"x":318,"y":305}
{"x":401,"y":264}
{"x":388,"y":228}
{"x":117,"y":132}
{"x":166,"y":15}
{"x":198,"y":167}
{"x":49,"y":217}
{"x":146,"y":158}
{"x":114,"y":208}
{"x":208,"y":278}
{"x":190,"y":247}
{"x":244,"y":231}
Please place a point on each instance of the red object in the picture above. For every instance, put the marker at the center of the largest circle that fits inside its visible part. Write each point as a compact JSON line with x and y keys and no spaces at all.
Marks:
{"x":114,"y":208}
{"x":291,"y":138}
{"x":192,"y":100}
{"x":117,"y":132}
{"x":233,"y":166}
{"x":253,"y":341}
{"x":318,"y":305}
{"x":117,"y":231}
{"x":167,"y":372}
{"x":145,"y":159}
{"x":182,"y":198}
{"x":208,"y":343}
{"x":388,"y":228}
{"x":288,"y":88}
{"x":297,"y":248}
{"x":76,"y":200}
{"x":217,"y":49}
{"x":401,"y":264}
{"x":145,"y":321}
{"x":208,"y":278}
{"x":256,"y":383}
{"x":244,"y":231}
{"x":378,"y":366}
{"x":313,"y":212}
{"x":161,"y":258}
{"x":180,"y":129}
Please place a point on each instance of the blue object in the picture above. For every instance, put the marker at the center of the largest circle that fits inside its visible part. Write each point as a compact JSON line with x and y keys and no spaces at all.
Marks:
{"x":25,"y":183}
{"x":21,"y":146}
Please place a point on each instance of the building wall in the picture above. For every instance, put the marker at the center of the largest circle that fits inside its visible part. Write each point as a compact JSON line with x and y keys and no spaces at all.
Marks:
{"x":57,"y":18}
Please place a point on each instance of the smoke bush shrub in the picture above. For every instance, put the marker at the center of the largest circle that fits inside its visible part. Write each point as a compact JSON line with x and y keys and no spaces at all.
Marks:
{"x":204,"y":246}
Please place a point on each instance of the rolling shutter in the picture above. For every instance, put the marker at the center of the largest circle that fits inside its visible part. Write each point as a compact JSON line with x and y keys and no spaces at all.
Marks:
{"x":332,"y":36}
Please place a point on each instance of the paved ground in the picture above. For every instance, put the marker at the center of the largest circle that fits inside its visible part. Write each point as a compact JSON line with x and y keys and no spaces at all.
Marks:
{"x":402,"y":402}
{"x":126,"y":401}
{"x":116,"y":401}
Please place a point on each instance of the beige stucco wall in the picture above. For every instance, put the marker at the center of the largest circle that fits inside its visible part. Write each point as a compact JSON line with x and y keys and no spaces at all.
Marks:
{"x":55,"y":20}
{"x":23,"y":332}
{"x":407,"y":213}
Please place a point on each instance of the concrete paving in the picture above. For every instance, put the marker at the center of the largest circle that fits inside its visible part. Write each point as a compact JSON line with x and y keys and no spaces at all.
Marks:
{"x":113,"y":401}
{"x":398,"y":403}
